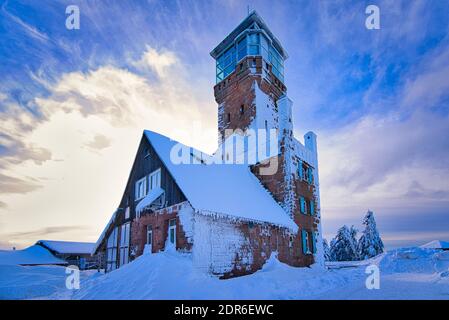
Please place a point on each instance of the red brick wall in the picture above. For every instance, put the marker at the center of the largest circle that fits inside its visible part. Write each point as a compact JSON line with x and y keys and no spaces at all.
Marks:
{"x":263,"y":240}
{"x":159,"y":221}
{"x":275,"y":184}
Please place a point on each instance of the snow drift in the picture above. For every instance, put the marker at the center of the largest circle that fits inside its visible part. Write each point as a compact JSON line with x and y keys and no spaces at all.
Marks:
{"x":410,"y":273}
{"x":34,"y":255}
{"x":170,"y":275}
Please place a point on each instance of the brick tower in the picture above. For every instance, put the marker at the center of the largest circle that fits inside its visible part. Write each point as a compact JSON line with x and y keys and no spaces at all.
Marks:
{"x":251,"y":94}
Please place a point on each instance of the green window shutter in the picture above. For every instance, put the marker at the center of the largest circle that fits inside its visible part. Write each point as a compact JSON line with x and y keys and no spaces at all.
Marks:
{"x":300,"y":171}
{"x":304,"y":241}
{"x":310,"y":175}
{"x":312,"y":208}
{"x":313,"y":242}
{"x":302,"y":203}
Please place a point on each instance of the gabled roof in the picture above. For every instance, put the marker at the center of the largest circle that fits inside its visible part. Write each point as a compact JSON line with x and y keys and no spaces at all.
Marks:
{"x":67,"y":247}
{"x":230,"y":190}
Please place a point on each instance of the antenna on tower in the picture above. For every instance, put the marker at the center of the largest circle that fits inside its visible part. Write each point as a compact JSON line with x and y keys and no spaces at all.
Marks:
{"x":248,"y":9}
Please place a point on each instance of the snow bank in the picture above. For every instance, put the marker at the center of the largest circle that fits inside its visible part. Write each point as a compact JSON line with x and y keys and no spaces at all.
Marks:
{"x":415,"y":260}
{"x":412,"y":273}
{"x":34,"y":255}
{"x":17,"y":282}
{"x":37,"y":282}
{"x":436,"y":244}
{"x":170,"y":275}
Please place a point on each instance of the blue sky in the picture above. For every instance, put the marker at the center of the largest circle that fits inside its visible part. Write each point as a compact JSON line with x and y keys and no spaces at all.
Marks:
{"x":70,"y":100}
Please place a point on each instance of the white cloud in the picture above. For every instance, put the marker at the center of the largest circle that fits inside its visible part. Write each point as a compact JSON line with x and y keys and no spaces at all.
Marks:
{"x":159,"y":62}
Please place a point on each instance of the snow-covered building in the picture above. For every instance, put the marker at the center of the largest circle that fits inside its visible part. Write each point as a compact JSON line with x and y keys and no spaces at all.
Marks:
{"x":233,"y":209}
{"x":73,"y":253}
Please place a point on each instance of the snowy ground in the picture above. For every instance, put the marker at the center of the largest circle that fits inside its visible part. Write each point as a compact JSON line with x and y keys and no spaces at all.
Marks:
{"x":404,"y":274}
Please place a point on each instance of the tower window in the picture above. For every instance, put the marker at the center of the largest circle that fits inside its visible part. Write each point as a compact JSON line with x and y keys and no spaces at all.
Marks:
{"x":242,"y":109}
{"x":229,"y":117}
{"x":266,"y":125}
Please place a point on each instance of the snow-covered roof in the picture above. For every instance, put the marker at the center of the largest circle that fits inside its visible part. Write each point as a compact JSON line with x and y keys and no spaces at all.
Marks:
{"x":149,"y":199}
{"x":67,"y":247}
{"x":436,"y":244}
{"x":103,"y":234}
{"x":34,"y":255}
{"x":223,"y":189}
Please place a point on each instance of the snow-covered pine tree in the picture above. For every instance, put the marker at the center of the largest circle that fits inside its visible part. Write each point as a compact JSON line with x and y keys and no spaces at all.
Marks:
{"x":353,"y":232}
{"x":370,"y":243}
{"x":344,"y":245}
{"x":327,"y":251}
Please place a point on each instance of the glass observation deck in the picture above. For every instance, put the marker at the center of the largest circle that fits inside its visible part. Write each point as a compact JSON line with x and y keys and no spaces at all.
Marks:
{"x":250,"y":43}
{"x":251,"y":37}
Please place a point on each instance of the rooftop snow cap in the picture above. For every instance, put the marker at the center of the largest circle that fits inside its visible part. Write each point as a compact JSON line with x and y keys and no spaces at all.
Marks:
{"x":67,"y":246}
{"x":220,"y":189}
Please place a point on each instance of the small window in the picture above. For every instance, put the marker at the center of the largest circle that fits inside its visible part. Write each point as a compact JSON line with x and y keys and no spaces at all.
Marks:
{"x":242,"y":109}
{"x":147,"y":153}
{"x":253,"y":63}
{"x":154,"y":179}
{"x":302,"y":205}
{"x":312,"y":207}
{"x":310,"y":175}
{"x":141,"y":188}
{"x":305,"y":242}
{"x":266,"y":125}
{"x":241,"y":66}
{"x":229,"y":117}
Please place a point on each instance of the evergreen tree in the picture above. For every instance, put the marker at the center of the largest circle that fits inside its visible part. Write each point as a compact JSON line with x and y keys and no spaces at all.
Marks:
{"x":354,"y":243}
{"x":344,"y":245}
{"x":327,"y":251}
{"x":370,"y":243}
